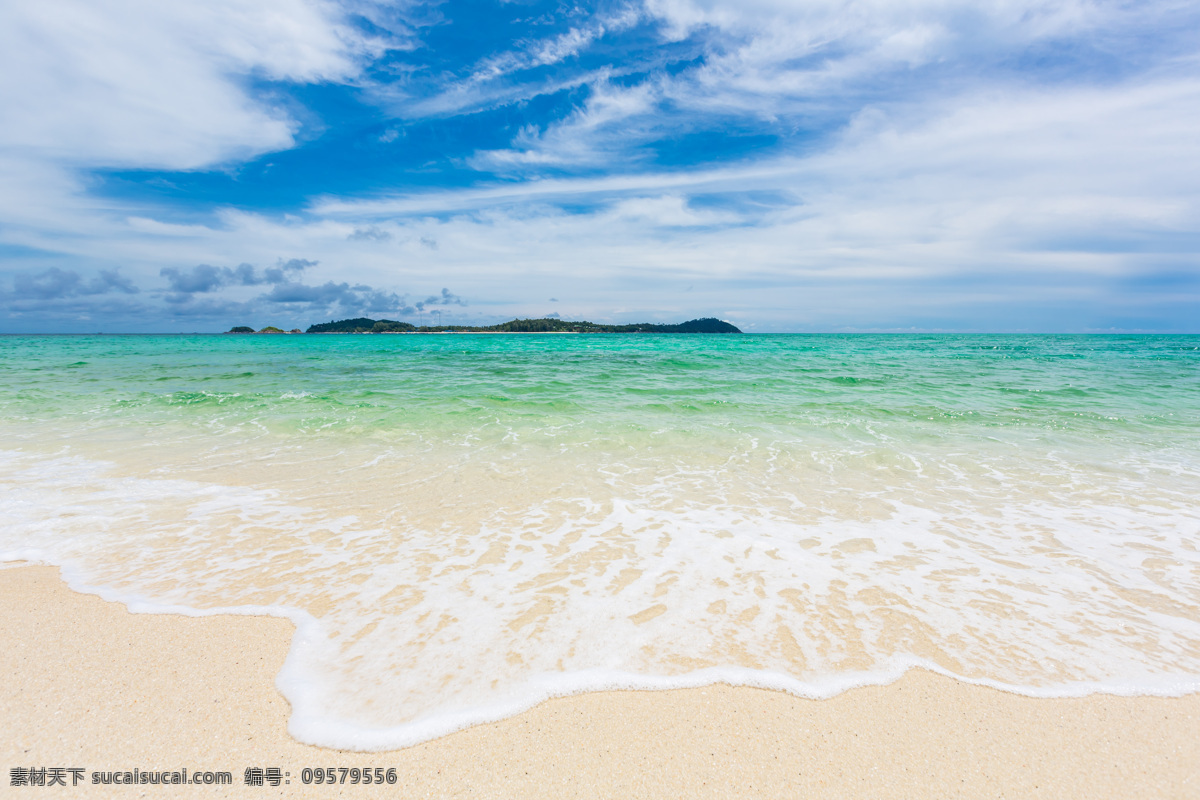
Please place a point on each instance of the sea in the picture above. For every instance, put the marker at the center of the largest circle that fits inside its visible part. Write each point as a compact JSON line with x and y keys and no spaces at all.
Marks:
{"x":464,"y":525}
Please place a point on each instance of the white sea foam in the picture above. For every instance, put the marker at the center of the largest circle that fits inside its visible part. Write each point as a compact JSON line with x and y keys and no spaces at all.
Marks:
{"x":436,"y":587}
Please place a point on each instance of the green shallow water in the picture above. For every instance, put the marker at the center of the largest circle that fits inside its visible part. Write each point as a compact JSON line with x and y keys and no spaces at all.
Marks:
{"x":296,"y":384}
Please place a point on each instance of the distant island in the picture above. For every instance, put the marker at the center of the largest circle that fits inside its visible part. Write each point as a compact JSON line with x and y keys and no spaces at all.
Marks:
{"x":268,"y":329}
{"x":544,"y":325}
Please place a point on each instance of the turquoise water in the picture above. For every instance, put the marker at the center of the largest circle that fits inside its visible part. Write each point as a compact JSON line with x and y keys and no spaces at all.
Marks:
{"x":464,"y":524}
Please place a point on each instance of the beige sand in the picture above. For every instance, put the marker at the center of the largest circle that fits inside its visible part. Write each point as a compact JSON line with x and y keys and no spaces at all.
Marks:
{"x":87,"y":684}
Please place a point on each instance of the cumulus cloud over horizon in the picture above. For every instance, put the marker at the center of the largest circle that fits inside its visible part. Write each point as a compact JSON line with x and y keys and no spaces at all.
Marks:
{"x":791,"y":166}
{"x":206,"y":278}
{"x":57,"y":284}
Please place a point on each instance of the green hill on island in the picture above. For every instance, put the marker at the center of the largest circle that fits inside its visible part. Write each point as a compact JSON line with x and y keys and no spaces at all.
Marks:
{"x":544,"y":325}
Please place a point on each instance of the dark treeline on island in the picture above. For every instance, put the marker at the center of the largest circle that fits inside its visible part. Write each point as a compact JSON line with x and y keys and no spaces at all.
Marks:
{"x":268,"y":329}
{"x":545,"y":325}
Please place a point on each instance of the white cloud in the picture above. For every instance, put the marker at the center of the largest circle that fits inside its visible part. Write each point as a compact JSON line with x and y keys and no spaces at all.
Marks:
{"x":666,"y":211}
{"x":809,"y":64}
{"x":611,"y":118}
{"x":492,"y":81}
{"x":139,"y":83}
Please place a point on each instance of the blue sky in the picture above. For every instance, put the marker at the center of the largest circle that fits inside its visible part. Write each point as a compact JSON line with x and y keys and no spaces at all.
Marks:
{"x":1005,"y":165}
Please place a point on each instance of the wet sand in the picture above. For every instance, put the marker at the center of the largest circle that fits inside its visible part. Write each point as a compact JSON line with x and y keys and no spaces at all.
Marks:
{"x":88,"y":684}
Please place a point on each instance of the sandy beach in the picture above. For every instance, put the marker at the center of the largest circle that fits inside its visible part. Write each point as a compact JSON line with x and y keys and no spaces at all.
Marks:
{"x":90,"y":685}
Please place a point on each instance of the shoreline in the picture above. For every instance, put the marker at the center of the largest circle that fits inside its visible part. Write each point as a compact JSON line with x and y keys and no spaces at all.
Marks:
{"x":91,"y":685}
